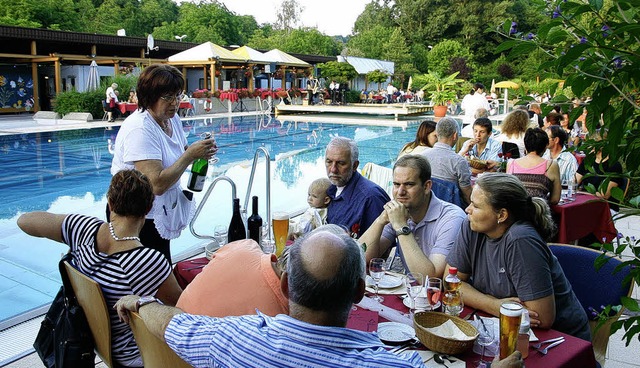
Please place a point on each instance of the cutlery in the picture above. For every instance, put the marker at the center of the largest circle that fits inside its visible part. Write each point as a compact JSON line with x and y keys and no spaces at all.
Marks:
{"x":546,"y":350}
{"x":470,"y":315}
{"x":539,"y":345}
{"x":440,"y":359}
{"x":201,"y":261}
{"x":193,"y":268}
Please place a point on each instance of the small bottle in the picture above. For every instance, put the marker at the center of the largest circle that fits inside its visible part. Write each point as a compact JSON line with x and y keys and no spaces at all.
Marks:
{"x":523,"y":336}
{"x":236,"y":227}
{"x":199,"y":169}
{"x":452,"y":296}
{"x":254,"y":223}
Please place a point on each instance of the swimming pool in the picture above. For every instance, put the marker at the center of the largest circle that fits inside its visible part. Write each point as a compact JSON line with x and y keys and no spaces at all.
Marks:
{"x":68,"y":171}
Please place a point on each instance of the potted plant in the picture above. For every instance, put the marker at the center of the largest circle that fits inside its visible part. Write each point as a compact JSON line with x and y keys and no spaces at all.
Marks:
{"x":441,"y":91}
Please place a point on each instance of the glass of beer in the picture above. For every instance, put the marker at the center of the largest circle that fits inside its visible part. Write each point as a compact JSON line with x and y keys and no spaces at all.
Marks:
{"x":280,"y":221}
{"x":510,"y":316}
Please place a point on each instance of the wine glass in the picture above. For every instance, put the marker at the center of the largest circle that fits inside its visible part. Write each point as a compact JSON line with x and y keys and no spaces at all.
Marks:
{"x":376,"y":271}
{"x":413,"y":281}
{"x":486,"y":337}
{"x":434,"y":289}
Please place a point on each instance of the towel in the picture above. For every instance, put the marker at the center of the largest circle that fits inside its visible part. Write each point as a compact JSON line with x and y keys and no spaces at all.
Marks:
{"x":386,"y":312}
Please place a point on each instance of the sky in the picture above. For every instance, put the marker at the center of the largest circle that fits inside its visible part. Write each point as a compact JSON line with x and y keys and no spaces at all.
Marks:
{"x":331,"y":17}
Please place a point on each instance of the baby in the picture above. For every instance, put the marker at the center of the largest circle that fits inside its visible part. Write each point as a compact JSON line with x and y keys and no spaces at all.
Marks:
{"x":316,"y":215}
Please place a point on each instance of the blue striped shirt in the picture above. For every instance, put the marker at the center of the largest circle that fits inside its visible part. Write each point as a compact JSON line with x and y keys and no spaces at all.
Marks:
{"x":280,"y":341}
{"x":490,"y":151}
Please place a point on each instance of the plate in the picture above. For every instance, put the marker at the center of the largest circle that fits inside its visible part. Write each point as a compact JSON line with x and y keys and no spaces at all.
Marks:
{"x":387,"y":282}
{"x":419,"y":306}
{"x":395,"y":332}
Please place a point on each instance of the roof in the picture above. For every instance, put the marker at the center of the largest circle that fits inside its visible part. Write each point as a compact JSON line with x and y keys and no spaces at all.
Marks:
{"x":206,"y":52}
{"x":364,"y":65}
{"x":282,"y":58}
{"x":250,"y":54}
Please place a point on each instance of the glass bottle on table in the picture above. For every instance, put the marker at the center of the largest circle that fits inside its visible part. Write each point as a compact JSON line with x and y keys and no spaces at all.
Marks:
{"x":523,"y":336}
{"x":237,"y":229}
{"x":254,"y":223}
{"x":452,"y":299}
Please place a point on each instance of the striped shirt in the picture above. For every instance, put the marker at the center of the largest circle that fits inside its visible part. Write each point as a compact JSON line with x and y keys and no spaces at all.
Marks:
{"x":282,"y":341}
{"x":490,"y":151}
{"x":138,"y":271}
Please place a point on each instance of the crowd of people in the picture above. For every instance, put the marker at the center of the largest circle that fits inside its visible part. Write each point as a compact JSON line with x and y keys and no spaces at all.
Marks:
{"x":292,"y":310}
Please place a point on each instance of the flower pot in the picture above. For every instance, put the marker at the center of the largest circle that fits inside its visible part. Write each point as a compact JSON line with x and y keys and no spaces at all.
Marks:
{"x":439,"y":111}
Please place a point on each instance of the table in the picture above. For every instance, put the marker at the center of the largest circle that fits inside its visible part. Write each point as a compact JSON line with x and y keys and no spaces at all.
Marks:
{"x":186,"y":271}
{"x":185,"y":105}
{"x":125,"y":107}
{"x":231,"y":96}
{"x":587,"y":214}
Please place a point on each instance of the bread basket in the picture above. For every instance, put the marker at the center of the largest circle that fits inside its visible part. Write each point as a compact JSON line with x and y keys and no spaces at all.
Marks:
{"x":477,"y":163}
{"x":441,"y":344}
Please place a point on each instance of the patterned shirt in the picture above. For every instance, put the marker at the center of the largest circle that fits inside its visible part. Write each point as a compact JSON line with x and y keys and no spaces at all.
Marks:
{"x":261,"y":341}
{"x":490,"y":151}
{"x":567,"y":162}
{"x":447,"y":165}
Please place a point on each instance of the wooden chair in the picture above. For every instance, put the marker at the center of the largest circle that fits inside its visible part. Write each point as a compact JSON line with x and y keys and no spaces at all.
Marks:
{"x":593,"y":288}
{"x":89,"y":296}
{"x":155,"y":352}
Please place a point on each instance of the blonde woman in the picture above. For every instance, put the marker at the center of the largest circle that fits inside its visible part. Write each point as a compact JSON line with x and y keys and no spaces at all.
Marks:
{"x":513,"y":128}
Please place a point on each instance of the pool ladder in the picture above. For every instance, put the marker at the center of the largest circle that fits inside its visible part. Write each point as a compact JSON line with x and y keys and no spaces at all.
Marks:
{"x":243,"y":210}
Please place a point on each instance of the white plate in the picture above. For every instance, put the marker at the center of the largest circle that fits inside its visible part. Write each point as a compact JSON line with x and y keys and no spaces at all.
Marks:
{"x":419,"y":306}
{"x":387,"y":282}
{"x":395,"y":332}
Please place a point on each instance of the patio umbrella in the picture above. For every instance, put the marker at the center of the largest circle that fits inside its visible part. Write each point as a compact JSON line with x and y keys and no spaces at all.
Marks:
{"x":506,"y":85}
{"x":493,"y":86}
{"x":410,"y":82}
{"x":93,"y":82}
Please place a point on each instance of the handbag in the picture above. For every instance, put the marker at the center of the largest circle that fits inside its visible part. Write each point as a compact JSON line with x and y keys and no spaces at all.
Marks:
{"x":64,"y":338}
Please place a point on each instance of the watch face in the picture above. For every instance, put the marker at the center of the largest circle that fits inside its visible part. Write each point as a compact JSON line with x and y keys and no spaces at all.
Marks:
{"x":146,"y":299}
{"x":403,"y":230}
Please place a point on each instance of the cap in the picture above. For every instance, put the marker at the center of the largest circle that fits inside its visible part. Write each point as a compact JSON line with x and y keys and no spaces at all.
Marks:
{"x":453,"y":270}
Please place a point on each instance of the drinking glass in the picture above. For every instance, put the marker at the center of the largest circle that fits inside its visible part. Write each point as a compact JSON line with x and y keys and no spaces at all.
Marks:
{"x":376,"y":271}
{"x":564,"y":194}
{"x":434,"y":290}
{"x":280,"y":226}
{"x":486,"y":337}
{"x":414,"y":282}
{"x":510,"y":316}
{"x":220,"y":234}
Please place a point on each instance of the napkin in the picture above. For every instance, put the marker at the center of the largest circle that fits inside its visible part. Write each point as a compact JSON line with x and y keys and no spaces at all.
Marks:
{"x":427,"y":358}
{"x":449,"y":330}
{"x":386,"y":312}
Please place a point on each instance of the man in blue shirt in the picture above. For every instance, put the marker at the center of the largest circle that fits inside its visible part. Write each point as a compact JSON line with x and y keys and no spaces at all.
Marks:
{"x":355,"y":200}
{"x":324,"y":277}
{"x":482,"y":145}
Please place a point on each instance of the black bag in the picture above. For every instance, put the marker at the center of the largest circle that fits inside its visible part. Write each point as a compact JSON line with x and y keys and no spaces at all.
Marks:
{"x":65,"y":339}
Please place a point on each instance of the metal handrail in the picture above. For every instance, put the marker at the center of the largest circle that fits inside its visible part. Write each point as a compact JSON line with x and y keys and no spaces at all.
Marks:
{"x":204,"y":200}
{"x":268,"y":184}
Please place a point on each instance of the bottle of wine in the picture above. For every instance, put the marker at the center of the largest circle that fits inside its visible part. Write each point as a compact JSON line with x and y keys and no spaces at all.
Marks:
{"x":255,"y":223}
{"x":198,"y":171}
{"x":236,"y":227}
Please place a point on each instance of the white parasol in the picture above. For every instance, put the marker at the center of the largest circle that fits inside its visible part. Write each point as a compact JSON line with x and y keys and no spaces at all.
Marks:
{"x":93,"y":81}
{"x":410,"y":83}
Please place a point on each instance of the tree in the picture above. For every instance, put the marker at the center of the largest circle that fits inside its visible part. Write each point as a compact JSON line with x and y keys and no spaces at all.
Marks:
{"x":303,"y":41}
{"x":341,"y":72}
{"x":377,"y":76}
{"x":396,"y":50}
{"x":288,"y":15}
{"x":375,"y":14}
{"x":367,"y":42}
{"x":442,"y":53}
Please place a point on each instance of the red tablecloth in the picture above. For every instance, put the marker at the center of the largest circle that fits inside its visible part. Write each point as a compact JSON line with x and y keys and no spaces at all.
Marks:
{"x":587,"y":214}
{"x":574,"y":352}
{"x":579,"y":157}
{"x":186,"y":271}
{"x":185,"y":105}
{"x":266,"y":94}
{"x":231,"y":96}
{"x":127,"y":107}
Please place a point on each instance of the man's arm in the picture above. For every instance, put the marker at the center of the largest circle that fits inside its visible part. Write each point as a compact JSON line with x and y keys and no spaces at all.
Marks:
{"x":377,"y":245}
{"x":155,"y":316}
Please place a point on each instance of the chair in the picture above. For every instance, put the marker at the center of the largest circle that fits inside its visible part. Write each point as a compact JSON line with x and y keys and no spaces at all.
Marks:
{"x":89,"y":296}
{"x":383,"y":176}
{"x":593,"y":288}
{"x":105,"y":116}
{"x":512,"y":148}
{"x":190,"y":111}
{"x":447,"y":191}
{"x":460,"y":142}
{"x":155,"y":352}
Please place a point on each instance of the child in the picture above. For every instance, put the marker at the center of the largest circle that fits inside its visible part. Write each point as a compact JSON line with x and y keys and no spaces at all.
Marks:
{"x":316,"y":215}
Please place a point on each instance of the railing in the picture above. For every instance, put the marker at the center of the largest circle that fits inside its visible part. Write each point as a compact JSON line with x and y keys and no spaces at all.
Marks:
{"x":204,"y":200}
{"x":268,"y":185}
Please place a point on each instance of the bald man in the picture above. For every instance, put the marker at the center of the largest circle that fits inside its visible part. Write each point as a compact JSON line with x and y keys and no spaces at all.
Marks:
{"x":324,"y":277}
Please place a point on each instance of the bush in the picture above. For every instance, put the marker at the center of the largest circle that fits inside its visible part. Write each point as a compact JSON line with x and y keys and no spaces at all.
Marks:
{"x":73,"y":101}
{"x":352,"y":96}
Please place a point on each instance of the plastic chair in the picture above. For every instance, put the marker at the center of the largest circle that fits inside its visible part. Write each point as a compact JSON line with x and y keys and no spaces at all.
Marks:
{"x":89,"y":296}
{"x":105,"y":116}
{"x":383,"y":176}
{"x":447,"y":191}
{"x":155,"y":352}
{"x":191,"y":110}
{"x":593,"y":288}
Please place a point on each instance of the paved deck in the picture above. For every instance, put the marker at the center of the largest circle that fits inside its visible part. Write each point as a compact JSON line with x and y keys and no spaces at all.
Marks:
{"x":396,"y":110}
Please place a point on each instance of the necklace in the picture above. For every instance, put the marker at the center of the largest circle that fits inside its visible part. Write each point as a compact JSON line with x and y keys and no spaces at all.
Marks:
{"x":113,"y":235}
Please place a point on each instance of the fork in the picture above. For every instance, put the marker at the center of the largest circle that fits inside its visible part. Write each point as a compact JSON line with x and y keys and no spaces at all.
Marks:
{"x":546,"y":350}
{"x":539,"y":345}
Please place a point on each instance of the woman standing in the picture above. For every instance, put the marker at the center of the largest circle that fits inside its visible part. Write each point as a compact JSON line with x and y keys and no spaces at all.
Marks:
{"x":501,"y":255}
{"x":425,"y":139}
{"x":111,"y":101}
{"x":151,"y":140}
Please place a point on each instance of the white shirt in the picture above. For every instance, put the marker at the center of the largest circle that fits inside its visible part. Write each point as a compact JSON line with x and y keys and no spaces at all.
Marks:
{"x":470,"y":104}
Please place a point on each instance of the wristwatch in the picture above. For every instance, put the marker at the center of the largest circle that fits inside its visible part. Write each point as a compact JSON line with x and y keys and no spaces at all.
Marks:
{"x":405,"y":230}
{"x":146,"y":300}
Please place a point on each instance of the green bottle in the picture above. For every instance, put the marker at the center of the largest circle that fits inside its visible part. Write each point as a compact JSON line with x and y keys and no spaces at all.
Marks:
{"x":198,"y":172}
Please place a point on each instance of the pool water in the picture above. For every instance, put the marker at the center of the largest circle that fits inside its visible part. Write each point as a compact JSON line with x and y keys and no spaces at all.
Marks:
{"x":68,"y":171}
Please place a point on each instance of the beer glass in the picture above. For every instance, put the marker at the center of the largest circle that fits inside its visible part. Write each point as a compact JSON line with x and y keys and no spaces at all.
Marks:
{"x":280,"y":221}
{"x":510,"y":316}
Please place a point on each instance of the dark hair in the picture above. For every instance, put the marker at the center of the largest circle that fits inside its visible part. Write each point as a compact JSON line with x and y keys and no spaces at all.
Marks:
{"x":417,"y":162}
{"x":557,"y":108}
{"x":558,"y":132}
{"x":554,"y":118}
{"x":476,"y":86}
{"x":536,"y":140}
{"x":422,"y":135}
{"x":130,"y":193}
{"x":484,"y":123}
{"x":158,"y":80}
{"x":506,"y":191}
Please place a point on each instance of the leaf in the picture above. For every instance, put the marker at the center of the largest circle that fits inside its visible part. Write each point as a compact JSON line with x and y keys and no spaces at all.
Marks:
{"x":557,"y":35}
{"x":523,"y":48}
{"x":572,"y":54}
{"x":596,"y":4}
{"x":617,"y":193}
{"x":601,"y":260}
{"x":506,"y":45}
{"x":630,"y":303}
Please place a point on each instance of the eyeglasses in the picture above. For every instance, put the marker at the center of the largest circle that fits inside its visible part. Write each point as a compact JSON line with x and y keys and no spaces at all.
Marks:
{"x":172,"y":99}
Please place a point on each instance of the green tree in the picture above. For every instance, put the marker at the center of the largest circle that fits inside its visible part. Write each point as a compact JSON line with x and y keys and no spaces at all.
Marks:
{"x":302,"y":40}
{"x":367,"y":42}
{"x":375,"y":14}
{"x":341,"y":72}
{"x":442,"y":53}
{"x":288,"y":15}
{"x":377,"y":76}
{"x":396,"y":50}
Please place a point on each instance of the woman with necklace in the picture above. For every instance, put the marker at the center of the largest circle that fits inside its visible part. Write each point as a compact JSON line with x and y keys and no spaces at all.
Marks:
{"x":151,"y":141}
{"x":111,"y":253}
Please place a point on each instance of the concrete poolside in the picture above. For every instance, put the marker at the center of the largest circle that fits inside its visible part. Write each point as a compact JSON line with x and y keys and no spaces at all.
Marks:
{"x":18,"y":339}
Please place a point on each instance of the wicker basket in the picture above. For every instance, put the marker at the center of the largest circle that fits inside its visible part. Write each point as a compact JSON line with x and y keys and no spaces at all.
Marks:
{"x":477,"y":163}
{"x":439,"y":344}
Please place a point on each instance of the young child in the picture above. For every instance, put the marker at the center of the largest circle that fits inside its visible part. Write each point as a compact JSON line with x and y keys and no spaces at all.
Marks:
{"x":316,"y":215}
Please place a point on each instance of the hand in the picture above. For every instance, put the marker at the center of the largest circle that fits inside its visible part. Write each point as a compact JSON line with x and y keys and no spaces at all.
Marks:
{"x":491,"y":164}
{"x":512,"y":361}
{"x":534,"y":317}
{"x":397,"y":213}
{"x":205,"y":148}
{"x":125,"y":304}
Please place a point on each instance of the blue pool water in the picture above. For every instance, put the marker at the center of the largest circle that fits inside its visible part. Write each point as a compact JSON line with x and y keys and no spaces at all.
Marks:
{"x":68,"y":171}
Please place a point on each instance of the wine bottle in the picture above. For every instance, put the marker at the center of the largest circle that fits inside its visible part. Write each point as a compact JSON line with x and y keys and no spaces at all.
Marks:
{"x":236,"y":227}
{"x":255,"y":222}
{"x":199,"y":169}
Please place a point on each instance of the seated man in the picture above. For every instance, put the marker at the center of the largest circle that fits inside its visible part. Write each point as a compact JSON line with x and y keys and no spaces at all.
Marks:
{"x":355,"y":200}
{"x":445,"y":163}
{"x":325,"y":276}
{"x":556,"y":151}
{"x":239,"y":279}
{"x":424,"y":226}
{"x":482,"y":145}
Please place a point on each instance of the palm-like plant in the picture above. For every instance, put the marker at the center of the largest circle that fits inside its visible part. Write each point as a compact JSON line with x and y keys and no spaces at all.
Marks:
{"x":441,"y":89}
